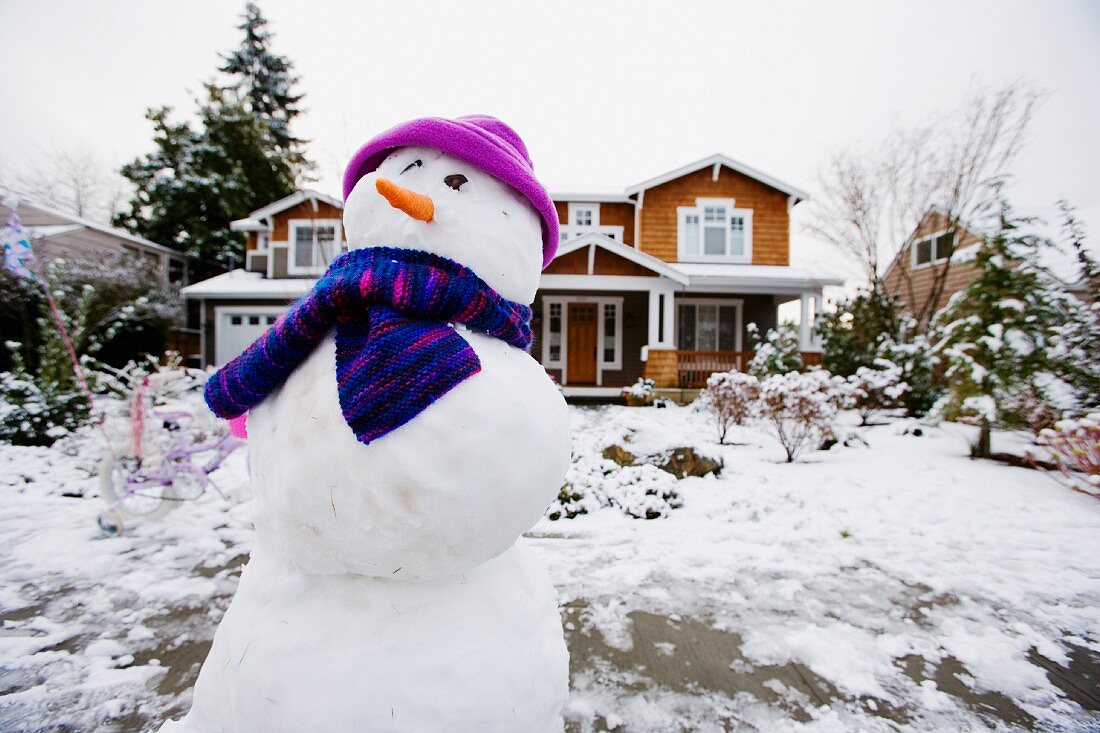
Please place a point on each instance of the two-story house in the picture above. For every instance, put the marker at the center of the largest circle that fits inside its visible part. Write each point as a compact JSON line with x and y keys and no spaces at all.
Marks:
{"x":659,"y":279}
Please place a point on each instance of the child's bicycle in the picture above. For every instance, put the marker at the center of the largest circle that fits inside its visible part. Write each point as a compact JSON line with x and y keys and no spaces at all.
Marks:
{"x":145,"y":485}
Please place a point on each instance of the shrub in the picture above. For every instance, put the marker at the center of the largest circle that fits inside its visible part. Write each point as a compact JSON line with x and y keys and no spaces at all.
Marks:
{"x":852,"y":334}
{"x":639,"y":393}
{"x":37,"y":410}
{"x":777,"y":352}
{"x":1075,"y":450}
{"x":874,"y":390}
{"x":800,"y":408}
{"x":113,"y":301}
{"x":730,"y":398}
{"x":643,"y":492}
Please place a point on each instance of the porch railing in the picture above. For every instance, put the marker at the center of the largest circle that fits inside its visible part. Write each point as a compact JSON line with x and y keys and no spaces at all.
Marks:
{"x":694,"y":367}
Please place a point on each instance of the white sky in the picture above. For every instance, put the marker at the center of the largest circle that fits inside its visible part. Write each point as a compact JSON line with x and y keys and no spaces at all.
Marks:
{"x":602,"y":92}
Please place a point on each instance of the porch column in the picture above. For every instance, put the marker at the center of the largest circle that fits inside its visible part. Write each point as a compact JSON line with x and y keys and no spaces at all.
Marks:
{"x":654,"y":318}
{"x":804,"y":323}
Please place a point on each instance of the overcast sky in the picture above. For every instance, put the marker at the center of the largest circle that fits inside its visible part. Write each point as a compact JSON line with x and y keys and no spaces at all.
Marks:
{"x":602,"y":92}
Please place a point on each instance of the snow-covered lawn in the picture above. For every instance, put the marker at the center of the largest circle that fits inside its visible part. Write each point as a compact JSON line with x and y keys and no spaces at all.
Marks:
{"x":893,"y":586}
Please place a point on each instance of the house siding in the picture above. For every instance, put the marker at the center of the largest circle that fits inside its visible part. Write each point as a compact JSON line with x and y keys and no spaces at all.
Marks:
{"x":280,"y":231}
{"x":770,"y":225}
{"x":914,"y":295}
{"x":612,"y":214}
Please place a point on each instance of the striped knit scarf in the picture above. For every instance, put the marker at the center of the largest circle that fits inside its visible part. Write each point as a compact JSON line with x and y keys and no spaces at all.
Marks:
{"x":396,"y":350}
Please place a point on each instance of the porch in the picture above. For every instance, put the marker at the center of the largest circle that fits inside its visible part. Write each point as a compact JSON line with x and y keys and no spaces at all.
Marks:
{"x":684,"y":369}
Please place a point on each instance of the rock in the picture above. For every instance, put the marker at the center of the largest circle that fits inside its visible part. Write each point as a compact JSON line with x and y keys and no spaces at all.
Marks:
{"x":619,"y":455}
{"x":683,"y":462}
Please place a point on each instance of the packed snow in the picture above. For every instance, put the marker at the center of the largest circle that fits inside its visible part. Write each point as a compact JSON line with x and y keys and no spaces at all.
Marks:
{"x":889,"y":583}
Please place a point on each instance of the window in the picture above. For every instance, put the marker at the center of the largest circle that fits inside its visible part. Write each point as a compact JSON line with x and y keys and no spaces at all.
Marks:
{"x":553,"y":339}
{"x":708,"y":326}
{"x":937,"y":248}
{"x":609,"y":346}
{"x":713,"y":230}
{"x":314,"y":244}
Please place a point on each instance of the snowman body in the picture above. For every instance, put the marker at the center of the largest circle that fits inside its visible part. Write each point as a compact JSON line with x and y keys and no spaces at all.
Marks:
{"x":386,"y":591}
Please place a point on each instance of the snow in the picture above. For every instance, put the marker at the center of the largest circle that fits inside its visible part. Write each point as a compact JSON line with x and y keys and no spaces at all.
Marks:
{"x":242,"y":284}
{"x":917,"y":584}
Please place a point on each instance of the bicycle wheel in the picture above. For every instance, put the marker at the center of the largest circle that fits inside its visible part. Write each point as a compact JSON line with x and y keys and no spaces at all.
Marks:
{"x":131,"y":499}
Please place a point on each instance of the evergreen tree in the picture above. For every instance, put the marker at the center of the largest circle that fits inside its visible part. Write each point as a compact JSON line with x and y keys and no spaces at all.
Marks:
{"x":852,"y":334}
{"x":263,"y":84}
{"x":1000,"y":336}
{"x":200,"y":178}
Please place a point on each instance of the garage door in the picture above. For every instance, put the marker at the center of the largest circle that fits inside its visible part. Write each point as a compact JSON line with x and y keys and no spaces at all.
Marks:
{"x":238,"y":327}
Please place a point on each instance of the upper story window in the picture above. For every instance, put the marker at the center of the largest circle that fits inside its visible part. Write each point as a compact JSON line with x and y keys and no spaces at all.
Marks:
{"x":584,"y":218}
{"x":714,"y":230}
{"x":934,"y":249}
{"x":313,"y":244}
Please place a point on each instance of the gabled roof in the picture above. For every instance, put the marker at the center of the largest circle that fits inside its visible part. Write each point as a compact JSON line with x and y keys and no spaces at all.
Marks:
{"x":627,"y":253}
{"x":629,"y":194}
{"x":720,"y":160}
{"x":77,"y":223}
{"x":254,"y":221}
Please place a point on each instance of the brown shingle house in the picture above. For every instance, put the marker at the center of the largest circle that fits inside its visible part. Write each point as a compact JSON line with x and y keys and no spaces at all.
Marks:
{"x":659,"y":279}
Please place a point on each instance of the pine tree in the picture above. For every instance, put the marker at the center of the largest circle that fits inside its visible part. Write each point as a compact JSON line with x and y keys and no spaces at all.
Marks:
{"x":1000,"y":336}
{"x":263,"y":84}
{"x":238,"y":156}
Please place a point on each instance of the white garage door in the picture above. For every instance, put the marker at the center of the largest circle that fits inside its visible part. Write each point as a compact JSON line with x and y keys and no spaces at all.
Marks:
{"x":238,"y":327}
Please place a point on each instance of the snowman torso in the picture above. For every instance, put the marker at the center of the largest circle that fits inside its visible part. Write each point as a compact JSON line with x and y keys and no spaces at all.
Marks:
{"x":451,"y":489}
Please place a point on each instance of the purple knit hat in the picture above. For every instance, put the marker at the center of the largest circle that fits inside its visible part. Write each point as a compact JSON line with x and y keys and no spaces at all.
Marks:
{"x":480,"y":140}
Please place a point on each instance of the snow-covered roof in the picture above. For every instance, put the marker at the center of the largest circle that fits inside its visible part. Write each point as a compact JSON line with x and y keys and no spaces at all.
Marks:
{"x":53,"y":230}
{"x":628,"y":253}
{"x":582,"y":192}
{"x":78,"y":223}
{"x":239,"y":284}
{"x":305,"y":194}
{"x":753,"y":277}
{"x":626,"y":194}
{"x":248,"y":224}
{"x":720,"y":160}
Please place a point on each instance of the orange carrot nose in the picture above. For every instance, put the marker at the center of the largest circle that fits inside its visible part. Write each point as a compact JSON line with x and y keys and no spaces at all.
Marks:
{"x":416,"y":205}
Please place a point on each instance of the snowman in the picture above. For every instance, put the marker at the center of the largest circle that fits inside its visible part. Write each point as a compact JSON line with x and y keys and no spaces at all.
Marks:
{"x":402,"y":439}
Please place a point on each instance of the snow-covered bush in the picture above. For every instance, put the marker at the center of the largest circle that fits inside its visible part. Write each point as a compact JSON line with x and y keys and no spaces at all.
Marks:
{"x":39,"y":410}
{"x":913,"y":353}
{"x":639,"y":393}
{"x":108,"y":307}
{"x":875,"y":390}
{"x":1001,"y":336}
{"x":730,"y":398}
{"x":643,"y":492}
{"x":799,"y":408}
{"x":776,"y":353}
{"x":1075,"y":449}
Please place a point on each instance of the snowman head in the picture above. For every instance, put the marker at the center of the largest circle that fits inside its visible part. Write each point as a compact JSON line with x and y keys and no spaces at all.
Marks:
{"x":464,"y":189}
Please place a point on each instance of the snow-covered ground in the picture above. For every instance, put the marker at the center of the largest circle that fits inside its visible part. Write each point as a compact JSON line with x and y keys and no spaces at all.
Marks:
{"x":897,"y":585}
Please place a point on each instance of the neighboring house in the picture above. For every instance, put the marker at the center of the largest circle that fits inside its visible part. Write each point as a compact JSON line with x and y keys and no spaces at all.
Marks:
{"x":921,"y":266}
{"x":660,"y":279}
{"x":57,"y":235}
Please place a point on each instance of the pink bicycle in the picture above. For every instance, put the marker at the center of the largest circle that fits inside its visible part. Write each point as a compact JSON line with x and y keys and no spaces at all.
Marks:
{"x":145,"y":486}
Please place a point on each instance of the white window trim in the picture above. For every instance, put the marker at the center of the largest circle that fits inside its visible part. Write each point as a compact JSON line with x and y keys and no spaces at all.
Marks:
{"x":737,"y":303}
{"x":571,"y":230}
{"x":292,"y":226}
{"x":935,"y":260}
{"x":563,"y":362}
{"x":682,"y":213}
{"x":582,"y":205}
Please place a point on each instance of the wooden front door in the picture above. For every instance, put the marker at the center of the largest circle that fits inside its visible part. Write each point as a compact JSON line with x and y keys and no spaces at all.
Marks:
{"x":581,"y":348}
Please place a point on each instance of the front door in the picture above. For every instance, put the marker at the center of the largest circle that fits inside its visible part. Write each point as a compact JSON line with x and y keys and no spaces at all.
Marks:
{"x":581,"y":348}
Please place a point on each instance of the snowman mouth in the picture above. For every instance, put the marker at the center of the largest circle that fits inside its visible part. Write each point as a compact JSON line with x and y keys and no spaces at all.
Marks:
{"x":416,"y":205}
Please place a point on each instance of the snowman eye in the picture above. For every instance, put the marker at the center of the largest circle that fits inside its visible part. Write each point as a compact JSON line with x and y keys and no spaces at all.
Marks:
{"x":455,"y":180}
{"x":415,"y":164}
